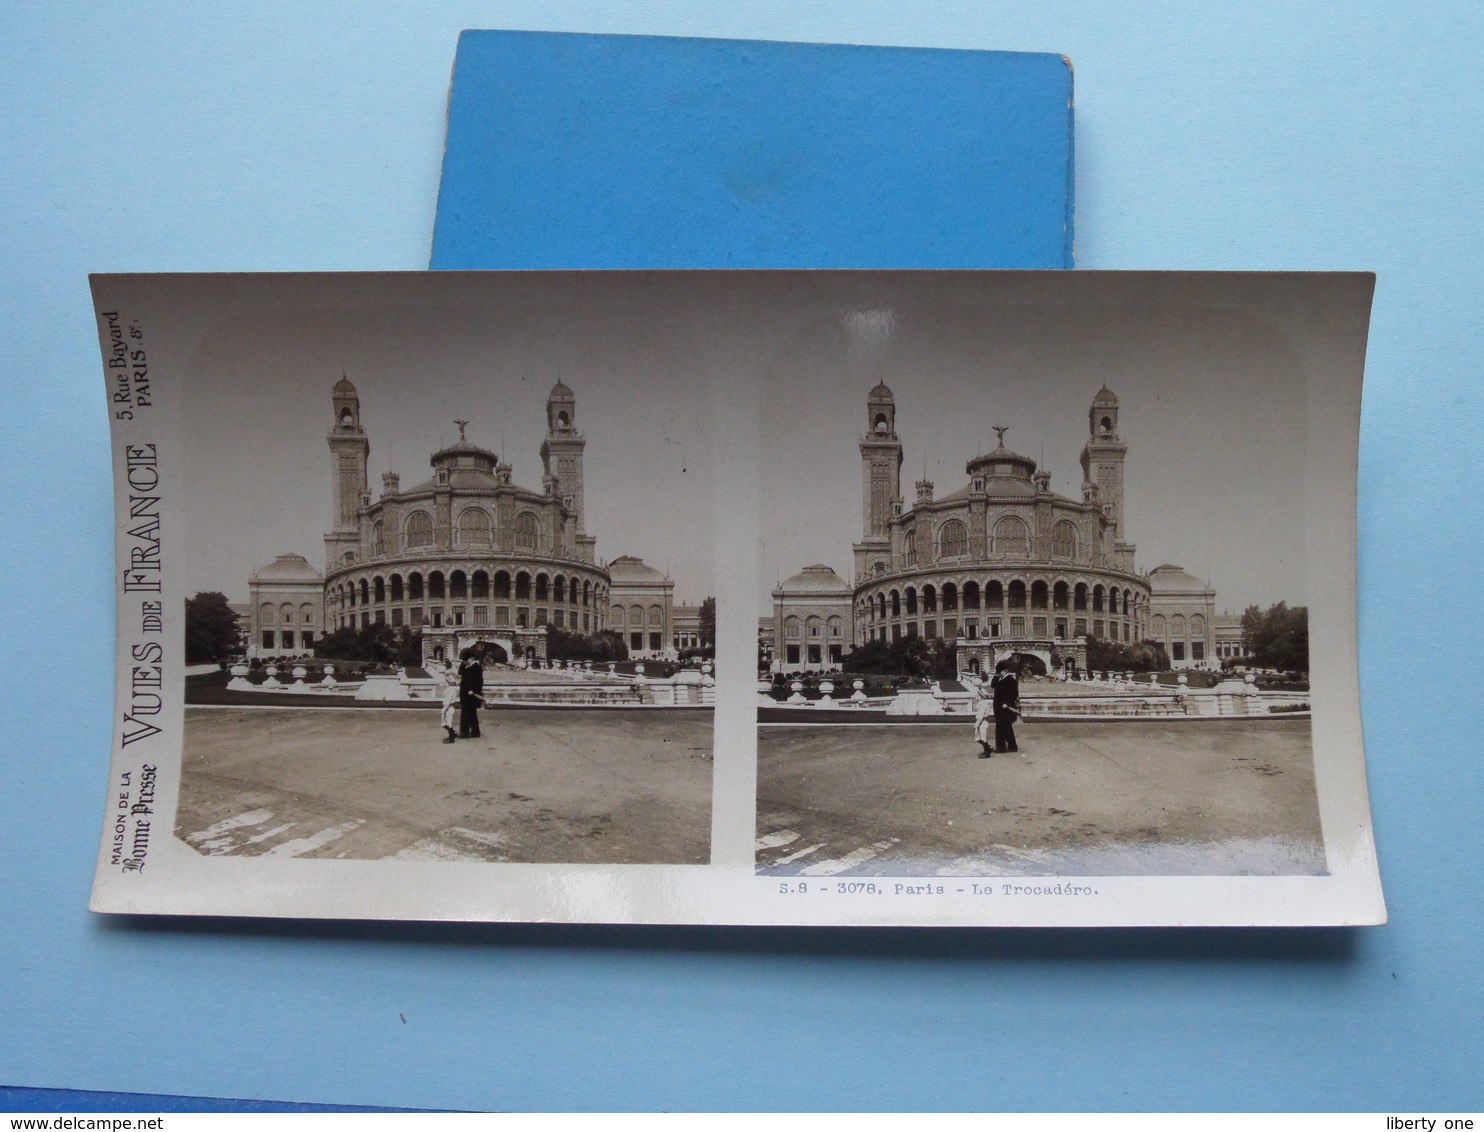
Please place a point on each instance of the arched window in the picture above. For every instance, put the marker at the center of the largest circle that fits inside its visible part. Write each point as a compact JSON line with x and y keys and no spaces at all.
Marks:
{"x":994,"y":596}
{"x":878,"y":569}
{"x":1097,"y":599}
{"x":1197,"y":627}
{"x":911,"y":596}
{"x":1017,"y":594}
{"x":1061,"y":595}
{"x":953,"y":540}
{"x":414,"y":587}
{"x":396,"y":587}
{"x":378,"y":586}
{"x":267,"y":614}
{"x":636,"y":617}
{"x":792,"y":628}
{"x":347,"y":558}
{"x":909,"y":548}
{"x":306,"y":614}
{"x":527,"y":531}
{"x":522,"y":586}
{"x":587,"y":589}
{"x":1177,"y":627}
{"x":286,"y":611}
{"x":435,"y":586}
{"x":419,"y":529}
{"x":378,"y":539}
{"x":1157,"y":627}
{"x":950,"y":596}
{"x":543,"y":588}
{"x":896,"y":604}
{"x":458,"y":585}
{"x":1064,"y":540}
{"x":502,"y":585}
{"x":656,"y":617}
{"x":1040,"y":594}
{"x":813,"y":627}
{"x":881,"y":607}
{"x":365,"y":593}
{"x":615,"y":616}
{"x":479,"y":585}
{"x":1012,"y":537}
{"x":474,"y":527}
{"x":929,"y":599}
{"x":971,"y":595}
{"x":1079,"y":597}
{"x":559,"y":588}
{"x":835,"y":627}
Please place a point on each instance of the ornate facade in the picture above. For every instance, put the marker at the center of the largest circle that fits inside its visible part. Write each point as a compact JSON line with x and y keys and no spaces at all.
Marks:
{"x":1002,"y":564}
{"x":467,"y":555}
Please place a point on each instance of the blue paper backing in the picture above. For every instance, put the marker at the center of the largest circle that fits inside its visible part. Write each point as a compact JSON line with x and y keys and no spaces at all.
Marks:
{"x":274,"y":136}
{"x":644,"y":151}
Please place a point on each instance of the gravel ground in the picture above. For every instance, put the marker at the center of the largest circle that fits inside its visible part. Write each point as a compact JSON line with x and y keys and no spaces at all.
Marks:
{"x":551,"y":786}
{"x":1220,"y":797}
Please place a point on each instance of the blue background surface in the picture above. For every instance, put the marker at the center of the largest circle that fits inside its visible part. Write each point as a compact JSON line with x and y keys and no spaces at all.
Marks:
{"x":278,"y":137}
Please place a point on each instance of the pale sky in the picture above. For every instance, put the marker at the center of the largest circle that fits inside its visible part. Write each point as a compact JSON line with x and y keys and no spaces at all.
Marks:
{"x":1213,"y":404}
{"x":422,"y":351}
{"x":701,"y":392}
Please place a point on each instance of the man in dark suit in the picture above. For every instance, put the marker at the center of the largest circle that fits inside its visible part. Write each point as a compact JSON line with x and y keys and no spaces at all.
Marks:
{"x":471,"y":685}
{"x":1006,"y":706}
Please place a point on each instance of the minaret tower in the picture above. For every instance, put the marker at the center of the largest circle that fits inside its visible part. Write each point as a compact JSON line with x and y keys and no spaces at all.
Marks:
{"x":561,"y":456}
{"x":1102,"y":464}
{"x":349,"y":451}
{"x":881,"y":480}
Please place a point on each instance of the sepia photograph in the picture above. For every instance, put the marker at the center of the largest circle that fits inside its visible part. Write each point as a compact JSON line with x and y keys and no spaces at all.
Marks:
{"x":442,"y":602}
{"x":1041,"y":587}
{"x":437,"y":593}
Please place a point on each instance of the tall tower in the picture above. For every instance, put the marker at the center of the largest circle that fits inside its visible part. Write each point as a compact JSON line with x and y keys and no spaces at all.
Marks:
{"x":1102,"y":464}
{"x":881,"y":479}
{"x":349,"y":451}
{"x":561,"y":456}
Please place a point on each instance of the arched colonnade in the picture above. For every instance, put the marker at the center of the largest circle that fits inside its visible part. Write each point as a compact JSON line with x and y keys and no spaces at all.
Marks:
{"x":469,"y":595}
{"x":1011,"y":605}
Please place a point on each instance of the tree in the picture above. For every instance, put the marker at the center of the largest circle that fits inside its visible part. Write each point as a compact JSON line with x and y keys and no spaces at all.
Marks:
{"x":600,"y":647}
{"x":379,"y":644}
{"x":409,"y":647}
{"x":708,"y":623}
{"x":210,"y":628}
{"x":1277,"y":637}
{"x":1111,"y":656}
{"x":909,"y":656}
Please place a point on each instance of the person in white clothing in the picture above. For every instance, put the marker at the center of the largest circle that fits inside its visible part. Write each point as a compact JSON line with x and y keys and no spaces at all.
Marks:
{"x":983,"y":718}
{"x":450,"y":702}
